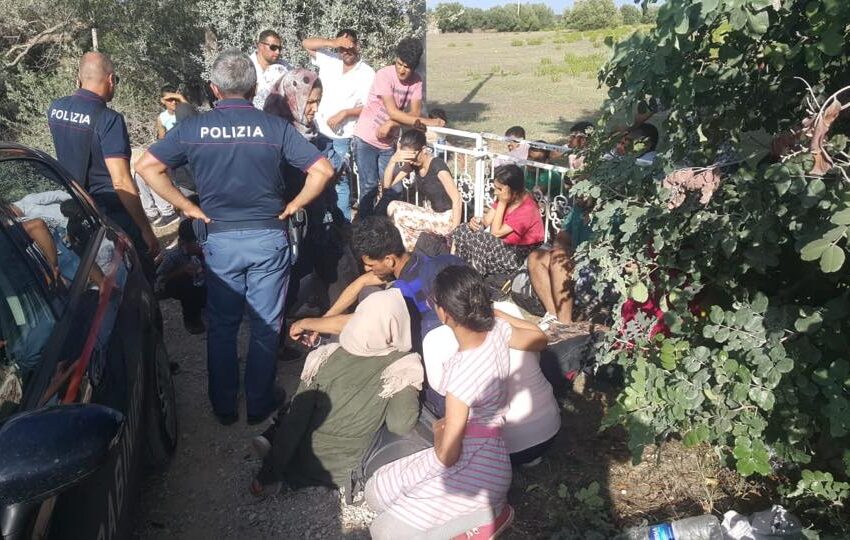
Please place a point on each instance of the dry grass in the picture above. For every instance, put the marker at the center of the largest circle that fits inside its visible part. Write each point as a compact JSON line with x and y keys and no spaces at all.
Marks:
{"x":495,"y":81}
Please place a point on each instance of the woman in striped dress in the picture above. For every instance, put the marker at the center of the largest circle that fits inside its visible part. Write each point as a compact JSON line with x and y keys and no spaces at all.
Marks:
{"x":461,"y":485}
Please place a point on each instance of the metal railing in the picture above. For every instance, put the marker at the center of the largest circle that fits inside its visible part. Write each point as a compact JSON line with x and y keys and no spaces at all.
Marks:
{"x":473,"y":166}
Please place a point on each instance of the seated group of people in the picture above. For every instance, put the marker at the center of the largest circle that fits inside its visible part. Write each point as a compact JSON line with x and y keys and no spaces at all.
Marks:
{"x":424,"y":336}
{"x":510,"y":235}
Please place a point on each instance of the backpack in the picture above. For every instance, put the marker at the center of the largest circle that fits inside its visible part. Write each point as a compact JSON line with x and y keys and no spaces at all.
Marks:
{"x":387,"y":447}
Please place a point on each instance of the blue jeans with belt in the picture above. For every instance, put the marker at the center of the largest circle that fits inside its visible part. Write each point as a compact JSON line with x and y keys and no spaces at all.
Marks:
{"x":336,"y":151}
{"x":371,"y":162}
{"x":245,"y":266}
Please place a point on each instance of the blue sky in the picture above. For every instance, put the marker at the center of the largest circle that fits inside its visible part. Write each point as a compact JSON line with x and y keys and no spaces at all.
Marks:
{"x":557,"y":5}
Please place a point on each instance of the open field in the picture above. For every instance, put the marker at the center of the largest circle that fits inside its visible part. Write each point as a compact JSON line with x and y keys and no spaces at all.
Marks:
{"x":543,"y":81}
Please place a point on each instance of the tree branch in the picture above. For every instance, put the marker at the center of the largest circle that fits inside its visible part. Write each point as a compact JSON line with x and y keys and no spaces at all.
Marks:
{"x":54,"y":34}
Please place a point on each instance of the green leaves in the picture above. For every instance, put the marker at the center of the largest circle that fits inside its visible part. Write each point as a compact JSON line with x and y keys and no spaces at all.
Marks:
{"x":756,"y":359}
{"x":639,"y":292}
{"x":832,"y":259}
{"x":841,"y":218}
{"x":814,"y":249}
{"x":832,"y":41}
{"x":831,"y":256}
{"x":758,"y":22}
{"x":751,"y":457}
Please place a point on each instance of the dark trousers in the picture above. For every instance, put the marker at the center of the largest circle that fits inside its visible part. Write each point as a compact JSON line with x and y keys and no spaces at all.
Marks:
{"x":192,"y":298}
{"x":530,"y":454}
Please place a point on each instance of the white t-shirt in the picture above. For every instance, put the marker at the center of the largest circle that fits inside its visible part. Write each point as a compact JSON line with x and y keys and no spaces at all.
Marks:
{"x":168,"y":120}
{"x":341,"y":91}
{"x":265,"y":79}
{"x":533,"y":416}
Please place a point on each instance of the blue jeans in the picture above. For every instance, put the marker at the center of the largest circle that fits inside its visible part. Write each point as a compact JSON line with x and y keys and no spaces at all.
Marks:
{"x":371,"y":163}
{"x":250,"y":265}
{"x":336,"y":151}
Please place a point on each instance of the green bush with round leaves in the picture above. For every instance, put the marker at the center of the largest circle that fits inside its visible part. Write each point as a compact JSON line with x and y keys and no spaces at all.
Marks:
{"x":741,"y":338}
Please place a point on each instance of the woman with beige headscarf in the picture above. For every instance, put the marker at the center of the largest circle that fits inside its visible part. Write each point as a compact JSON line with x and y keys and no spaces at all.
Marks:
{"x":347,"y":391}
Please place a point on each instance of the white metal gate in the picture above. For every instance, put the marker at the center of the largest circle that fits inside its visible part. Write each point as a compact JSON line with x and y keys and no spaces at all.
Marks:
{"x":473,"y":165}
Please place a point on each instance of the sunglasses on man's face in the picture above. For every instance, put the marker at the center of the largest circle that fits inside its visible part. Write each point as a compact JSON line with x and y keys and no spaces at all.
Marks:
{"x":115,"y":79}
{"x":271,"y":46}
{"x":171,"y":100}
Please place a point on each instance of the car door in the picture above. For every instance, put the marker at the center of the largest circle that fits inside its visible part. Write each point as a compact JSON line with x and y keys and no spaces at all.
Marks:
{"x":82,"y":274}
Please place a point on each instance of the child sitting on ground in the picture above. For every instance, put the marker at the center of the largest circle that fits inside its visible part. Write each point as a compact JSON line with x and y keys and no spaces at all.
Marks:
{"x":180,"y":275}
{"x":460,"y":486}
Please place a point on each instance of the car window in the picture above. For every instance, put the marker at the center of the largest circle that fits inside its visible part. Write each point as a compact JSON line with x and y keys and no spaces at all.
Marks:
{"x":56,"y":223}
{"x":26,"y":321}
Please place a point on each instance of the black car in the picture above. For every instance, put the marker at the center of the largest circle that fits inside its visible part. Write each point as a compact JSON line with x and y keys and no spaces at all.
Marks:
{"x":86,"y":395}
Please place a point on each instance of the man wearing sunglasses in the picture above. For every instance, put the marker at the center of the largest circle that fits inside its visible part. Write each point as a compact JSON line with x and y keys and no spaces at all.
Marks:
{"x":346,"y":81}
{"x":268,"y":64}
{"x":91,"y":141}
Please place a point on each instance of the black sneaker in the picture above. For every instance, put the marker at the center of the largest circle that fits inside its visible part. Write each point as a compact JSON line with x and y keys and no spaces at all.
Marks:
{"x":165,"y":221}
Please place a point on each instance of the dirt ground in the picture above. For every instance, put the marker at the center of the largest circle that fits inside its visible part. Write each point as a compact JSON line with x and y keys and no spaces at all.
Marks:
{"x":204,"y":491}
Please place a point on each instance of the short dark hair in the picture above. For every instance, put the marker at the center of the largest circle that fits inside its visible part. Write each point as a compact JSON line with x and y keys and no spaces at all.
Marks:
{"x":645,"y":131}
{"x":438,"y":113}
{"x":350,"y":33}
{"x":517,"y":132}
{"x":409,"y":51}
{"x":413,"y":139}
{"x":185,"y":232}
{"x":265,"y":34}
{"x":546,"y":152}
{"x":168,"y":89}
{"x":581,"y":127}
{"x":376,"y":237}
{"x":460,"y":290}
{"x":510,"y":175}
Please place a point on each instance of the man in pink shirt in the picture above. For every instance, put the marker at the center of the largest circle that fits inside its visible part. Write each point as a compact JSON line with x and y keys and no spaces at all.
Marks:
{"x":395,"y":100}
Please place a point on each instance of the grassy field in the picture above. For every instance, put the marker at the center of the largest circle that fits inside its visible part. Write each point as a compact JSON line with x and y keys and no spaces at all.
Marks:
{"x":543,"y":81}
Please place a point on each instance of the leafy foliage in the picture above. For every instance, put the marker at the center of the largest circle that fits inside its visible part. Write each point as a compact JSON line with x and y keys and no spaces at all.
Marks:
{"x":583,"y":515}
{"x":592,"y":15}
{"x":380,"y":25}
{"x":630,"y":14}
{"x":740,"y":338}
{"x":454,"y":17}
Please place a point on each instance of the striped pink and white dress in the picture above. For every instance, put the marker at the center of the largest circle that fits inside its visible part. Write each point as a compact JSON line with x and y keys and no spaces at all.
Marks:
{"x":424,"y":493}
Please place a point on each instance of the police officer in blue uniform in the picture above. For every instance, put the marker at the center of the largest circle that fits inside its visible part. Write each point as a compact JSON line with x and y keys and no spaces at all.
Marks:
{"x":91,"y":142}
{"x":236,"y":153}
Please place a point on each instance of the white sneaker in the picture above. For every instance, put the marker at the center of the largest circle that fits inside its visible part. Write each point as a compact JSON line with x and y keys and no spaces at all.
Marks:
{"x":547,"y":321}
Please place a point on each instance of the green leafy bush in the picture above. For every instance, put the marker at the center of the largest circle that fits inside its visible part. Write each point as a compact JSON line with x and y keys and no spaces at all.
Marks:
{"x":744,"y":342}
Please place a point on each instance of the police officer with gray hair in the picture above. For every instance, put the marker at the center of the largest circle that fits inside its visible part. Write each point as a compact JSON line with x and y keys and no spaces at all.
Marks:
{"x":236,"y":153}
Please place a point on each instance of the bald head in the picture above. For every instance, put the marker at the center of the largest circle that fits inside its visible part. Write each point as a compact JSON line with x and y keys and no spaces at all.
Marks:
{"x":94,"y":67}
{"x":97,"y":74}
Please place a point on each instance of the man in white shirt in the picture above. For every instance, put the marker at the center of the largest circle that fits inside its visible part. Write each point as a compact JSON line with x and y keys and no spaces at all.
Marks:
{"x":270,"y":67}
{"x":346,"y":81}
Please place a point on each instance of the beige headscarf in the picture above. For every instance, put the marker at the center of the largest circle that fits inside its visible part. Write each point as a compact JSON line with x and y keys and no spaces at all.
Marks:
{"x":379,"y":326}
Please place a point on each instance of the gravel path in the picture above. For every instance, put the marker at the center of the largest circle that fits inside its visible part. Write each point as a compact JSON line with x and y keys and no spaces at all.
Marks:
{"x":204,"y":491}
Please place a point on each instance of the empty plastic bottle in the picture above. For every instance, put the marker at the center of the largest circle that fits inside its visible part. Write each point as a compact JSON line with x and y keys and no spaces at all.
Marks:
{"x":693,"y":528}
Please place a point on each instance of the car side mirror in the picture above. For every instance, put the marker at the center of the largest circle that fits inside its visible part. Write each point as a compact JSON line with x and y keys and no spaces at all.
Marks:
{"x":45,"y":451}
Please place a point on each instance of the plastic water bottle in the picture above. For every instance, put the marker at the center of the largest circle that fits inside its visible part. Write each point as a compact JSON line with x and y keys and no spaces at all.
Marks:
{"x":692,"y":528}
